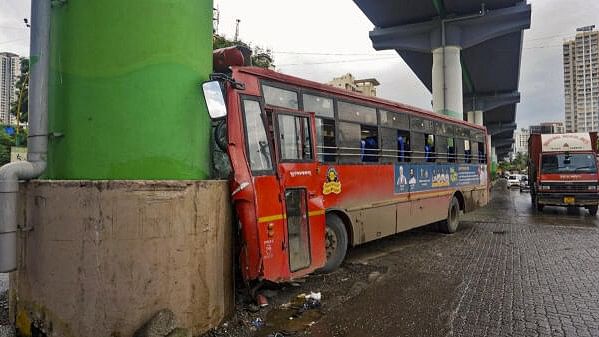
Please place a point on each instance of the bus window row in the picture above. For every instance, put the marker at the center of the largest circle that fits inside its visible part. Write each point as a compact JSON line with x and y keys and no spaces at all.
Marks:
{"x":354,"y":133}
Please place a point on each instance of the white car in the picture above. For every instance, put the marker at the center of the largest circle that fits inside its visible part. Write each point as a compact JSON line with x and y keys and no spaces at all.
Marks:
{"x":513,"y":180}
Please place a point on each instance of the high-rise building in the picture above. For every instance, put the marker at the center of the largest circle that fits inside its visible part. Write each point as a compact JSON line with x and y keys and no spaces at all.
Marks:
{"x":547,"y":127}
{"x":366,"y":86}
{"x":581,"y":81}
{"x":10,"y":69}
{"x":521,"y":141}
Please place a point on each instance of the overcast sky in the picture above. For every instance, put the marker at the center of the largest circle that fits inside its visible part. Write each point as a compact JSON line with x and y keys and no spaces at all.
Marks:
{"x":322,"y":39}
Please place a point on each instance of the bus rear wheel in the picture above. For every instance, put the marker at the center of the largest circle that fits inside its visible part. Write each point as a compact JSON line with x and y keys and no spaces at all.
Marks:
{"x":336,"y":243}
{"x":450,"y":225}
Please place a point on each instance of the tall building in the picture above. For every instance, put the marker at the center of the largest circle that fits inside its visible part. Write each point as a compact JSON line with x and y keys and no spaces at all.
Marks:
{"x":548,"y":127}
{"x":581,"y":81}
{"x":365,"y":86}
{"x":521,"y":141}
{"x":10,"y":69}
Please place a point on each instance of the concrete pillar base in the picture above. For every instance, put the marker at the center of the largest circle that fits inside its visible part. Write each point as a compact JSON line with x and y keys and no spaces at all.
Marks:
{"x":100,"y":258}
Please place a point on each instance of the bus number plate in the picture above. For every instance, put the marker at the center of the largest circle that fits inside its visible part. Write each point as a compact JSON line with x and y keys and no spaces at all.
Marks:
{"x":569,"y":200}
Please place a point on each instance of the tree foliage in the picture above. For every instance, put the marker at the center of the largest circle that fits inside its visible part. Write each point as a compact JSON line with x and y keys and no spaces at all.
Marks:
{"x":261,"y":57}
{"x":22,"y":88}
{"x":519,"y":163}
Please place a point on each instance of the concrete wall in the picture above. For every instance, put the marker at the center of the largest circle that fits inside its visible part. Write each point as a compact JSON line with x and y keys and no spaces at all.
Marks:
{"x":99,"y":258}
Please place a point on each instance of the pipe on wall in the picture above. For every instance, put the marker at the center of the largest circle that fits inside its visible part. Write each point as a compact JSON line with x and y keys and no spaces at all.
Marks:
{"x":37,"y":142}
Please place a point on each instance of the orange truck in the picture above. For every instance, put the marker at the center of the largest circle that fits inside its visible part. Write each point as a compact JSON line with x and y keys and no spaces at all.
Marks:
{"x":562,"y":170}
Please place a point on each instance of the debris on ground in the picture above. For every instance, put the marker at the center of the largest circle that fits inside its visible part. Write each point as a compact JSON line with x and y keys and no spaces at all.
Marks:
{"x":7,"y":331}
{"x":261,"y":300}
{"x":258,"y":323}
{"x":306,"y":300}
{"x":4,"y":308}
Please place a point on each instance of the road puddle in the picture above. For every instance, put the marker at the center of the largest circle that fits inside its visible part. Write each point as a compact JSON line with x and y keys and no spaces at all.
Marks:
{"x":291,"y":319}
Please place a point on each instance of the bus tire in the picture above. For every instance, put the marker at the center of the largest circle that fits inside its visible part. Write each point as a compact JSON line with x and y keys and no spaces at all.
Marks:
{"x":593,"y":210}
{"x":336,"y":243}
{"x":450,"y":225}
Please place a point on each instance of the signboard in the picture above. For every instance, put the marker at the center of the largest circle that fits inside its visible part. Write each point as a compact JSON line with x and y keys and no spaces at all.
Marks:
{"x":566,"y":142}
{"x":421,"y":177}
{"x":18,"y":154}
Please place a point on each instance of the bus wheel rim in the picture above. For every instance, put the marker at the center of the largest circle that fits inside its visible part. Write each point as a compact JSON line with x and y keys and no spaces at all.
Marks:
{"x":453,"y":214}
{"x":331,"y":242}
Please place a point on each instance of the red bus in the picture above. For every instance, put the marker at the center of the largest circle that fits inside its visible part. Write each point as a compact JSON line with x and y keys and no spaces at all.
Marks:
{"x":316,"y":169}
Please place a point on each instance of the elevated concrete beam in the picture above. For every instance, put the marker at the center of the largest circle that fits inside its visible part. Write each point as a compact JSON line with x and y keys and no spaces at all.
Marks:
{"x":426,"y":36}
{"x":495,"y":24}
{"x":486,"y":102}
{"x":502,"y":142}
{"x":497,"y":128}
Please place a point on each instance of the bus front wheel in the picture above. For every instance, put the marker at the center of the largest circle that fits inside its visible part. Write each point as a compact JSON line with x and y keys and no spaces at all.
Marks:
{"x":450,"y":225}
{"x":336,"y":243}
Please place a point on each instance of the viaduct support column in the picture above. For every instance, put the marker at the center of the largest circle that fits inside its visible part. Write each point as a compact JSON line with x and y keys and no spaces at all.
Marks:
{"x":447,"y":82}
{"x":475,"y":117}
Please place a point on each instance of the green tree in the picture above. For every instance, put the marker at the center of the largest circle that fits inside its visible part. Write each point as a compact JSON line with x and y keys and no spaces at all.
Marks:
{"x":261,"y":57}
{"x":20,"y":108}
{"x":6,"y":142}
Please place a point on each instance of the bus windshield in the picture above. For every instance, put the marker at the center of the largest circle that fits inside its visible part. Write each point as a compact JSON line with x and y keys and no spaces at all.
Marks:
{"x":571,"y":163}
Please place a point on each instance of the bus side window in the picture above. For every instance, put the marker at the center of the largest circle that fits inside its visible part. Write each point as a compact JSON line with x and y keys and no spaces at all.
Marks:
{"x":294,"y":138}
{"x":369,"y":144}
{"x":429,"y":148}
{"x":326,"y":143}
{"x":257,"y":144}
{"x":459,"y":150}
{"x":451,"y":150}
{"x":441,"y":146}
{"x":481,"y":153}
{"x":467,"y":151}
{"x":349,"y":142}
{"x":403,"y":146}
{"x":324,"y":109}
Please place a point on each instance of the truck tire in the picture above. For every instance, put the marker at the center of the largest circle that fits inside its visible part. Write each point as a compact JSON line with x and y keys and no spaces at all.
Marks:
{"x":450,"y":225}
{"x":336,"y":243}
{"x":593,"y":210}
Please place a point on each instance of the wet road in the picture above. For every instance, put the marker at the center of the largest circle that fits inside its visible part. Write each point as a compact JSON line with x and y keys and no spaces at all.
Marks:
{"x":509,"y":271}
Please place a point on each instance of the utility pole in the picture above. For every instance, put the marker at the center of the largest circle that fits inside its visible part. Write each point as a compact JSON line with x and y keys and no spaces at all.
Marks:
{"x":237,"y":30}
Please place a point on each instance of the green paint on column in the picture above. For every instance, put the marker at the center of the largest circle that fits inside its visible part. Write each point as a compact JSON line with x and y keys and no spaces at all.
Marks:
{"x":451,"y":113}
{"x":125,"y":94}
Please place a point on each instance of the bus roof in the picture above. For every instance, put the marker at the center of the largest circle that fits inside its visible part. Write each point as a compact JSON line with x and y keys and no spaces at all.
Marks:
{"x":288,"y":79}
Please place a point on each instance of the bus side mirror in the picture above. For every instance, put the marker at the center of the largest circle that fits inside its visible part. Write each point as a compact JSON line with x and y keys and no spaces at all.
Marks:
{"x":214,"y":99}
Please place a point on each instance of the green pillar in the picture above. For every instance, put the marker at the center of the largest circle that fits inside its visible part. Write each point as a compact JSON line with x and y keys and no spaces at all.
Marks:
{"x":125,"y":95}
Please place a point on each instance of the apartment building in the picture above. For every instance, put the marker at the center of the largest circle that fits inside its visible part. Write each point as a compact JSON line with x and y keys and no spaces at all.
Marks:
{"x":581,"y":81}
{"x":10,"y":69}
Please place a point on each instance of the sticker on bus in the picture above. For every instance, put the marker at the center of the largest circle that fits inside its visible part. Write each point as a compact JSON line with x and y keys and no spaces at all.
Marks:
{"x":332,"y":183}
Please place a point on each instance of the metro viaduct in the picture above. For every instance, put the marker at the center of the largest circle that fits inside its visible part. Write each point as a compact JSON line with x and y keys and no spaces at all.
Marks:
{"x":465,"y":51}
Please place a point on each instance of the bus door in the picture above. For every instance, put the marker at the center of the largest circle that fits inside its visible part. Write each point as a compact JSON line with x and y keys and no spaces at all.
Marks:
{"x":299,"y":187}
